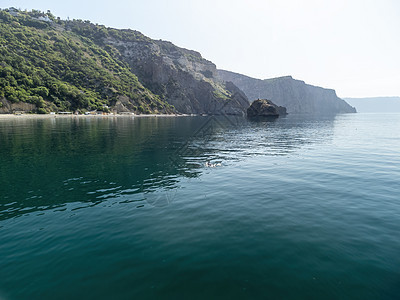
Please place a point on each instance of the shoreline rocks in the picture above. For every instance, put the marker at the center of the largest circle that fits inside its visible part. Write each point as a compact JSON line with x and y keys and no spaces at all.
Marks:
{"x":265,"y":108}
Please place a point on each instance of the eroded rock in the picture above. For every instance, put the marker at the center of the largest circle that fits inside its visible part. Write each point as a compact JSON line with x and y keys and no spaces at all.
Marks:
{"x":265,"y":108}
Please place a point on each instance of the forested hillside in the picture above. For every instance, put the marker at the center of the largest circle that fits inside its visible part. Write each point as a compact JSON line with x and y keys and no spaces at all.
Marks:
{"x":52,"y":64}
{"x":297,"y":96}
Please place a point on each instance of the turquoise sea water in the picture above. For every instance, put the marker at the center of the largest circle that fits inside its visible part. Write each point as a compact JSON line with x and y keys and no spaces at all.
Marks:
{"x":200,"y":208}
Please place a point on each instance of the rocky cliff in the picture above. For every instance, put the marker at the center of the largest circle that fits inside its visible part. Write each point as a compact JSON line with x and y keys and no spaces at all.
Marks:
{"x":182,"y":77}
{"x":295,"y":95}
{"x":75,"y":65}
{"x":7,"y":107}
{"x":179,"y":76}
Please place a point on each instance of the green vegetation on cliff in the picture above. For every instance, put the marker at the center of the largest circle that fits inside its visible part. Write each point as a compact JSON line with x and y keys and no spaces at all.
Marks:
{"x":60,"y":65}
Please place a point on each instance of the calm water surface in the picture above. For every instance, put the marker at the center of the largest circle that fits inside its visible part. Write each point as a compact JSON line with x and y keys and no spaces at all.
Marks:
{"x":200,"y":208}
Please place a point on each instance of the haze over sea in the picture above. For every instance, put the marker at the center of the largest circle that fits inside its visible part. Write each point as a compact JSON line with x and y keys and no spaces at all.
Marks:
{"x":298,"y":207}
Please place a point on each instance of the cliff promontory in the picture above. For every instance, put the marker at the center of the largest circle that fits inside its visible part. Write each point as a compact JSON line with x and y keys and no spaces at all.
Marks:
{"x":295,"y":95}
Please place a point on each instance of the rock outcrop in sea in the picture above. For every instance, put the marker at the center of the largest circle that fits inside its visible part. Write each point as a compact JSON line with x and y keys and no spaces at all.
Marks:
{"x":295,"y":95}
{"x":265,"y":108}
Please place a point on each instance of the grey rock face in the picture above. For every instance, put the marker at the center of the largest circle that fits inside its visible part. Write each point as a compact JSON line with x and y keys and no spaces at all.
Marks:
{"x":7,"y":107}
{"x":180,"y":76}
{"x":295,"y":95}
{"x":265,"y":108}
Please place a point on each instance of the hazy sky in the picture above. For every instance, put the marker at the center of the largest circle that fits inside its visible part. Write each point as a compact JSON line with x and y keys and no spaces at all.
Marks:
{"x":352,"y":46}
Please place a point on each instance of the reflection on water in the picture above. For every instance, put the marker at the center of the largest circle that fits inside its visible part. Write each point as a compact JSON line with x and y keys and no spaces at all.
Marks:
{"x":47,"y":163}
{"x":179,"y":208}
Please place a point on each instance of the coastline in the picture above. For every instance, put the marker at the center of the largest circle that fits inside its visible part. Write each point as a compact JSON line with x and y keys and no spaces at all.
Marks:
{"x":57,"y":116}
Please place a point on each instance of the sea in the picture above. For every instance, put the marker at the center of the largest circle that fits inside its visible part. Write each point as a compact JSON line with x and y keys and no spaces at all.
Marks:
{"x":206,"y":207}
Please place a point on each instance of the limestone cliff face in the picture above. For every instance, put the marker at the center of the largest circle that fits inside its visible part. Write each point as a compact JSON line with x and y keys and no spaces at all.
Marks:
{"x":180,"y":76}
{"x":295,"y":95}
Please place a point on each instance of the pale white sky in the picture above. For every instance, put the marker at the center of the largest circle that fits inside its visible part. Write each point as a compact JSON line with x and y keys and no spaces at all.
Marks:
{"x":352,"y":46}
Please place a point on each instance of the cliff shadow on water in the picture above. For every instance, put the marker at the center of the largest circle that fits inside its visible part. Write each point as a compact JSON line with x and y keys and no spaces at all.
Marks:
{"x":71,"y":163}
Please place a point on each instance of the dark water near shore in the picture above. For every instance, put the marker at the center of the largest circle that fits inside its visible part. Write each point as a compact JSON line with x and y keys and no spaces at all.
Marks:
{"x":123,"y":208}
